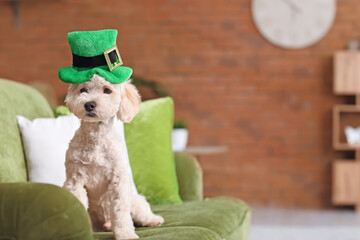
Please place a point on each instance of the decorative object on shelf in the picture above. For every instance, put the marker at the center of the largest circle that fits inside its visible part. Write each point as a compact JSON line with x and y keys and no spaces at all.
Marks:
{"x":346,"y":172}
{"x":291,"y":23}
{"x":353,"y":45}
{"x":179,"y":136}
{"x":352,"y":134}
{"x":341,"y":113}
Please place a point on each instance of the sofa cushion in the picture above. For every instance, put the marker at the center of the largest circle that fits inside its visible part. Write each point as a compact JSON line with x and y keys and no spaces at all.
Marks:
{"x":16,"y":99}
{"x":222,"y":215}
{"x":170,"y":233}
{"x":45,"y":141}
{"x":33,"y":211}
{"x":148,"y":138}
{"x":215,"y":218}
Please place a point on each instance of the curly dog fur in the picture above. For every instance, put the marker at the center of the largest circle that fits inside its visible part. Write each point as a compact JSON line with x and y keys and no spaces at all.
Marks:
{"x":97,"y":172}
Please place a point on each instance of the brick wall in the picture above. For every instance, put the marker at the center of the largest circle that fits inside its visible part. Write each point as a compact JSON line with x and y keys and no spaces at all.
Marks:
{"x":270,"y":106}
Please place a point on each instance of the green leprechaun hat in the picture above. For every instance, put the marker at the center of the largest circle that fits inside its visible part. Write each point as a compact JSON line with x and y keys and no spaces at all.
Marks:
{"x":94,"y":52}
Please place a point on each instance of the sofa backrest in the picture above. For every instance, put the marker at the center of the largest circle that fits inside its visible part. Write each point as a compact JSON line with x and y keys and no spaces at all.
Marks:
{"x":17,"y":99}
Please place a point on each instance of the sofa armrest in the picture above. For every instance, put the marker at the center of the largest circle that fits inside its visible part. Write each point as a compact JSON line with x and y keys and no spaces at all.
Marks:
{"x":35,"y":211}
{"x":189,"y":174}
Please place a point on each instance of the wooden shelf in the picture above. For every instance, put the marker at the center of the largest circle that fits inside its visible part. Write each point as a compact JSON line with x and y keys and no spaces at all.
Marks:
{"x":205,"y":150}
{"x":346,"y":182}
{"x":346,"y":146}
{"x":347,"y":108}
{"x":347,"y":73}
{"x":338,"y":133}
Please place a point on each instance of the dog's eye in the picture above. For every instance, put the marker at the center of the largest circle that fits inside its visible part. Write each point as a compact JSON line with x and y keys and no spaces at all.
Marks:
{"x":107,"y":91}
{"x":83,"y":90}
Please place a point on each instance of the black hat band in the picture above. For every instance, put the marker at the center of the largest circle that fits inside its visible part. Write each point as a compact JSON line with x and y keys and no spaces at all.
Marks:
{"x":92,"y":62}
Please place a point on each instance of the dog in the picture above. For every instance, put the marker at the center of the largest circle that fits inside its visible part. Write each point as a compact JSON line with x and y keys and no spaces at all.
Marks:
{"x":97,"y":172}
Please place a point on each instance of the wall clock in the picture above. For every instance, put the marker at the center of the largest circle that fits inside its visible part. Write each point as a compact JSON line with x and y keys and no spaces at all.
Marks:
{"x":293,"y":23}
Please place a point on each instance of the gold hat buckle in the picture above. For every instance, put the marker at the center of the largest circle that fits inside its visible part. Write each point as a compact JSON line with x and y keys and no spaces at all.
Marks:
{"x":118,"y":62}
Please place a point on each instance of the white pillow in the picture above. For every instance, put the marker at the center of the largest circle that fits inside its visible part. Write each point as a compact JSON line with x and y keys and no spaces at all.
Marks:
{"x":45,"y":142}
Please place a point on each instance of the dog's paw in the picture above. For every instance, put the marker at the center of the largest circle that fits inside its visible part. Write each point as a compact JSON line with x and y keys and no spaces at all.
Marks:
{"x":155,"y":221}
{"x":125,"y":234}
{"x":107,"y":226}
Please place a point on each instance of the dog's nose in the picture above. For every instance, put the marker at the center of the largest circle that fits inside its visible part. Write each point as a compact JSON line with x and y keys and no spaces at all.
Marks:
{"x":90,"y":106}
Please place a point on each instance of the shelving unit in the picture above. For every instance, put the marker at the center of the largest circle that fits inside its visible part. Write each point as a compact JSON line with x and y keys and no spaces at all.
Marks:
{"x":346,"y":172}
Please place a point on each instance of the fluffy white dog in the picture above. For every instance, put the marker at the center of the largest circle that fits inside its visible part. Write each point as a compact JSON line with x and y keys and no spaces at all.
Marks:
{"x":96,"y":171}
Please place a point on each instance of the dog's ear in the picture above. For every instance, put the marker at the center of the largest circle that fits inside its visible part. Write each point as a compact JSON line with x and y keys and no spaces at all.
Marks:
{"x":130,"y":100}
{"x":68,"y":95}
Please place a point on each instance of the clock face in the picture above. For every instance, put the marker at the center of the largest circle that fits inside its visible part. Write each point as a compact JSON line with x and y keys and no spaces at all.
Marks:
{"x":293,"y":23}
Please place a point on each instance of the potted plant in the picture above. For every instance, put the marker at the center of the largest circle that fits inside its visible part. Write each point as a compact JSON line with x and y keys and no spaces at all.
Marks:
{"x":151,"y":89}
{"x":179,"y":136}
{"x":148,"y":89}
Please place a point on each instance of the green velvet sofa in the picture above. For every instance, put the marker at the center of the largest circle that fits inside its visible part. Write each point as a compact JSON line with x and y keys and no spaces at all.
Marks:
{"x":41,"y":211}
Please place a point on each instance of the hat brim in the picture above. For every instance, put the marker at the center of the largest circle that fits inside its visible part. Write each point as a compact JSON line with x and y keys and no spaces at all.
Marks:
{"x":75,"y":75}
